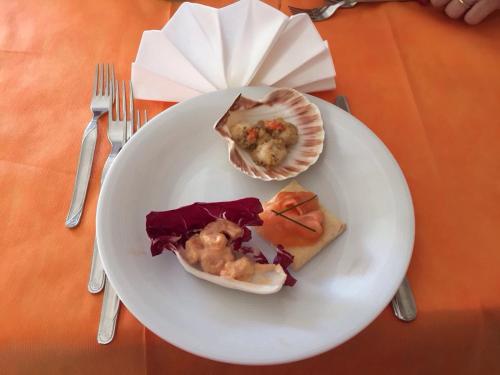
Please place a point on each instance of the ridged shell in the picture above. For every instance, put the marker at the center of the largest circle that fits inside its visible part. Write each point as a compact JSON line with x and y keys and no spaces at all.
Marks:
{"x":293,"y":107}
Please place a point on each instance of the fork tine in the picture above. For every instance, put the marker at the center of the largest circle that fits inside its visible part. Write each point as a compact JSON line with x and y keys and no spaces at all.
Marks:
{"x":313,"y":12}
{"x":109,"y":80}
{"x":101,"y":73}
{"x":140,"y":123}
{"x":123,"y":111}
{"x":131,"y":109}
{"x":295,"y":10}
{"x":320,"y":15}
{"x":117,"y":103}
{"x":112,"y":81}
{"x":105,"y":84}
{"x":317,"y":12}
{"x":96,"y":77}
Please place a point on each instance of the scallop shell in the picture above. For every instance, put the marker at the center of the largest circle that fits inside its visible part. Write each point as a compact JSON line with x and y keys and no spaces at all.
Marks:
{"x":263,"y":283}
{"x":293,"y":107}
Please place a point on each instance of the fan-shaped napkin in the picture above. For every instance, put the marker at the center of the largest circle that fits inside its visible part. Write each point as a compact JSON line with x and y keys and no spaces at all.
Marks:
{"x":203,"y":49}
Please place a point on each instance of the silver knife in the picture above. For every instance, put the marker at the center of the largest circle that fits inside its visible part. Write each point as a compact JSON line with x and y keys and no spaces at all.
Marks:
{"x":403,"y":303}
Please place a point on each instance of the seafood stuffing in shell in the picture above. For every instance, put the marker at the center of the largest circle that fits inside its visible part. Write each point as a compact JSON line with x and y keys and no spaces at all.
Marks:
{"x":275,"y":138}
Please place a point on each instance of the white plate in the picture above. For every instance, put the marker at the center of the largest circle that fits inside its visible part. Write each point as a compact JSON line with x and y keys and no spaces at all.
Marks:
{"x":178,"y":159}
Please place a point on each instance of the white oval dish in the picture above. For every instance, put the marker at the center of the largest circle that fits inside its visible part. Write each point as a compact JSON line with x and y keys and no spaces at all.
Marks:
{"x":291,"y":106}
{"x":267,"y":283}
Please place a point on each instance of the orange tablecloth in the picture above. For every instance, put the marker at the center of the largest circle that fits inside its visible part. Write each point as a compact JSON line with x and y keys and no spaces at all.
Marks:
{"x":429,"y":87}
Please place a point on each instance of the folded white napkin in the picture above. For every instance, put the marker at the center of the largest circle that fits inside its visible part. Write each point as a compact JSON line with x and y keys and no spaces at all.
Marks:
{"x":203,"y":49}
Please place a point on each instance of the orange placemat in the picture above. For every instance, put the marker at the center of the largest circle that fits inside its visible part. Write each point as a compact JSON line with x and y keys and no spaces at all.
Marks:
{"x":426,"y":85}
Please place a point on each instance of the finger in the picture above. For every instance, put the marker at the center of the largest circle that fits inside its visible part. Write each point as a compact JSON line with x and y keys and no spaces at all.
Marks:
{"x":480,"y":11}
{"x":439,"y":3}
{"x":457,"y":8}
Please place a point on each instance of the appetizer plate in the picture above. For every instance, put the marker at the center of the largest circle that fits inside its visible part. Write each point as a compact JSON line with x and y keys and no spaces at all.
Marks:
{"x":179,"y":159}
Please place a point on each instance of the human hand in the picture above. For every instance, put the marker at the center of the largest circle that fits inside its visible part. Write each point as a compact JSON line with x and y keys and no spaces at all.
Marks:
{"x":475,"y":10}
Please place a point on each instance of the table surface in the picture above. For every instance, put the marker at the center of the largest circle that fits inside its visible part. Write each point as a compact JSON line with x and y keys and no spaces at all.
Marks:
{"x":428,"y":86}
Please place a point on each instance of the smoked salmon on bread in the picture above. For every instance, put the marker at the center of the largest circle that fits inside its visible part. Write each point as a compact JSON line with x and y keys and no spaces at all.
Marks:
{"x":295,"y":219}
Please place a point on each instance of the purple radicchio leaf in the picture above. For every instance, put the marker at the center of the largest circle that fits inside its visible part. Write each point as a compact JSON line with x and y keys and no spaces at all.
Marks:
{"x":170,"y":229}
{"x":254,"y":254}
{"x":285,"y":259}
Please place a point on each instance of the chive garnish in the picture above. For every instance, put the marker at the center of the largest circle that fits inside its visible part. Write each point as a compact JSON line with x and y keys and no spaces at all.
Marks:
{"x":296,"y":205}
{"x":293,"y":220}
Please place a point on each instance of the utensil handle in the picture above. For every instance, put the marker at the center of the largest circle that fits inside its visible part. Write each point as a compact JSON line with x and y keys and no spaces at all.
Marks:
{"x":109,"y":314}
{"x":82,"y":174}
{"x":342,"y":103}
{"x":97,"y":276}
{"x":111,"y":158}
{"x":403,"y":303}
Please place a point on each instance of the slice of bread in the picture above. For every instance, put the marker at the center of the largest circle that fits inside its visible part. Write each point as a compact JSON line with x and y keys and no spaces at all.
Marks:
{"x":333,"y":227}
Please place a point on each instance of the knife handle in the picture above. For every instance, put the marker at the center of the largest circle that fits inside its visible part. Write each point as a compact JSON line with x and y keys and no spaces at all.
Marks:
{"x":403,"y":303}
{"x":109,"y":315}
{"x":82,"y":174}
{"x":341,"y":102}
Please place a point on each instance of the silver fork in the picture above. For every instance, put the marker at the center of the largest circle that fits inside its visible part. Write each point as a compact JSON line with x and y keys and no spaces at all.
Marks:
{"x":117,"y":136}
{"x":403,"y":302}
{"x":111,"y":302}
{"x":324,"y":12}
{"x":102,"y":100}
